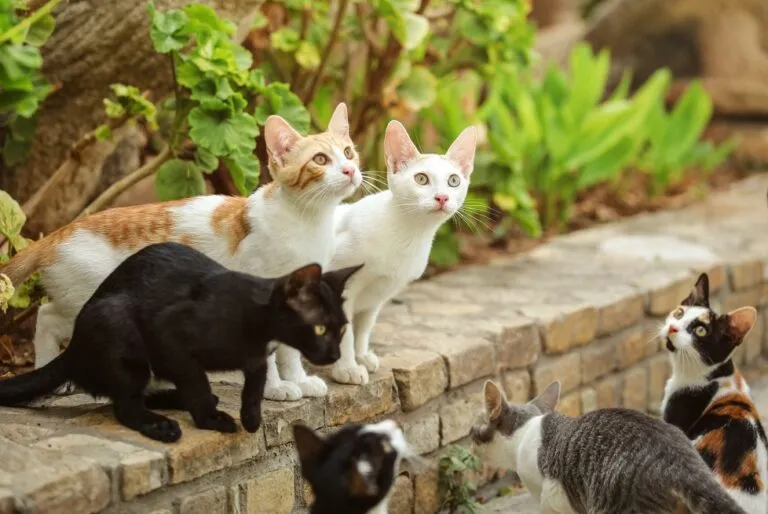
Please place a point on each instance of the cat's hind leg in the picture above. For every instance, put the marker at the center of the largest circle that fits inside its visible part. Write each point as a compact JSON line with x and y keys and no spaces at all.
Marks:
{"x":168,"y":399}
{"x":131,"y":412}
{"x":52,"y":327}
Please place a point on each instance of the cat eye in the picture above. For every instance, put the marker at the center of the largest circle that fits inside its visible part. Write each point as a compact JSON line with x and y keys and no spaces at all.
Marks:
{"x":421,"y":179}
{"x":348,"y":152}
{"x":700,"y":331}
{"x":678,"y":313}
{"x":454,"y":180}
{"x":319,"y":330}
{"x":320,"y":158}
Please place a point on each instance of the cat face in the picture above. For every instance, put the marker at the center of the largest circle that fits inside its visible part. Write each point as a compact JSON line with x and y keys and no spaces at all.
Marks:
{"x":700,"y":338}
{"x":353,"y":470}
{"x":322,"y":167}
{"x":309,"y":315}
{"x":492,"y":436}
{"x":433,"y":185}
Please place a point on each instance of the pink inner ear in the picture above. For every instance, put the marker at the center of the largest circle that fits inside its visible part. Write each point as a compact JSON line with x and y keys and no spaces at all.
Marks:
{"x":398,"y":147}
{"x":280,"y":137}
{"x":462,"y":151}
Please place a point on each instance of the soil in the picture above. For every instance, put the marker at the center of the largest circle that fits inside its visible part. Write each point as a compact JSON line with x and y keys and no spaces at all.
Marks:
{"x":601,"y":204}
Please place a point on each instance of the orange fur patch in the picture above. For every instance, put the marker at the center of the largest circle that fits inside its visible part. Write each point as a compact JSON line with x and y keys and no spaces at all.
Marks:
{"x":724,"y":407}
{"x":299,"y":169}
{"x":230,"y":220}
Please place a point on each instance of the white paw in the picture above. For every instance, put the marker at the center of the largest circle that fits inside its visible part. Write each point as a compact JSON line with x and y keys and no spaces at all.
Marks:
{"x":313,"y":386}
{"x":65,"y":389}
{"x":349,"y":373}
{"x":282,"y":391}
{"x":370,"y":361}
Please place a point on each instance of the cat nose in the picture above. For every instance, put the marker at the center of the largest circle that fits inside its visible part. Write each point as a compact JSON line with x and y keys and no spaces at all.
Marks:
{"x":672,"y":329}
{"x":348,"y":171}
{"x":441,"y":199}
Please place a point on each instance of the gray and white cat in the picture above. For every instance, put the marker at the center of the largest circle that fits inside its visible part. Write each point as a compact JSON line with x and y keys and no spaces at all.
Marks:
{"x":609,"y":461}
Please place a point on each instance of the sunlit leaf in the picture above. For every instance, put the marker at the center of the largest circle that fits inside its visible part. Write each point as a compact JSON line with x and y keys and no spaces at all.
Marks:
{"x":177,"y":179}
{"x":419,"y":89}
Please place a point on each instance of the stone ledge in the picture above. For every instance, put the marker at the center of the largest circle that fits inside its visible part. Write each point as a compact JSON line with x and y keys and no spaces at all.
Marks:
{"x":581,"y":308}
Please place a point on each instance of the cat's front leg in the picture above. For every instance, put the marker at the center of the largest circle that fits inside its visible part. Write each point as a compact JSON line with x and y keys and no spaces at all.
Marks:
{"x":291,"y":369}
{"x":276,"y":388}
{"x":364,"y":323}
{"x":255,"y":373}
{"x":347,"y":370}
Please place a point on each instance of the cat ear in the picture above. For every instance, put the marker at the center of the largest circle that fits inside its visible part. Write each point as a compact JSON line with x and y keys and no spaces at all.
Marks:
{"x":339,"y":123}
{"x":462,"y":151}
{"x":279,"y":137}
{"x":399,"y":150}
{"x":309,"y":445}
{"x":548,"y":399}
{"x":337,"y":279}
{"x":494,"y":400}
{"x":740,"y":322}
{"x":302,"y":278}
{"x":700,"y":294}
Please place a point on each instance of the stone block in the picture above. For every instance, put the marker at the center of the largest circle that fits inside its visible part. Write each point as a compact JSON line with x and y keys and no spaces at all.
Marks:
{"x":588,"y":400}
{"x":632,"y":347}
{"x":51,"y":482}
{"x":565,"y":368}
{"x":279,"y":417}
{"x":598,"y":359}
{"x":401,"y":501}
{"x":459,"y":411}
{"x":137,"y":470}
{"x":24,"y":433}
{"x":659,"y":370}
{"x":634,"y":391}
{"x":210,"y":501}
{"x":745,"y":274}
{"x":273,"y":490}
{"x":764,"y":315}
{"x":518,"y":344}
{"x":421,"y":430}
{"x":716,"y":273}
{"x":608,"y":392}
{"x":420,"y":375}
{"x":667,"y":293}
{"x":426,"y":495}
{"x":743,"y":298}
{"x":570,"y":404}
{"x":353,"y":404}
{"x":753,"y":343}
{"x":617,"y":308}
{"x":517,"y":386}
{"x":564,"y":327}
{"x":442,"y":308}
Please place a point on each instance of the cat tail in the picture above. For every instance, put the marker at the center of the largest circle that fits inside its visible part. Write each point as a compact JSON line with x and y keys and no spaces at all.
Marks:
{"x":704,"y":495}
{"x":24,"y":263}
{"x":29,"y":386}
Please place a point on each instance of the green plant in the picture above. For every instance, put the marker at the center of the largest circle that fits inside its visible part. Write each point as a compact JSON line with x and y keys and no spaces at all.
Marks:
{"x":22,"y":85}
{"x":12,"y":221}
{"x":673,"y":140}
{"x":457,"y":489}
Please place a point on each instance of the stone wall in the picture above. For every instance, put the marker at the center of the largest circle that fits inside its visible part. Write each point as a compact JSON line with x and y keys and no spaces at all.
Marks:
{"x":582,"y":309}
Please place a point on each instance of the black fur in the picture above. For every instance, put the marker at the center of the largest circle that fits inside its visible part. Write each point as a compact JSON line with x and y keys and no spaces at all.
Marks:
{"x":172,"y":311}
{"x":686,"y":405}
{"x":330,"y":467}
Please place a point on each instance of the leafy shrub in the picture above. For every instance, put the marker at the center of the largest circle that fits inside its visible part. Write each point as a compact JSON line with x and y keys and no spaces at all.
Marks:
{"x":12,"y":221}
{"x":457,"y":489}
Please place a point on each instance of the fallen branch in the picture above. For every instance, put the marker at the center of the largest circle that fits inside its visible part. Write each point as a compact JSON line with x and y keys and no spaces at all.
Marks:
{"x":108,"y":196}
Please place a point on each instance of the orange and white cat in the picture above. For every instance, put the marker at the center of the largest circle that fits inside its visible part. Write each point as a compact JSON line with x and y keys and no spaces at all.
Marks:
{"x":282,"y":226}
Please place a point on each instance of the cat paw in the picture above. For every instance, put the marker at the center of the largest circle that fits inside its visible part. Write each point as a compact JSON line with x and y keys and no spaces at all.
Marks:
{"x":282,"y":391}
{"x":65,"y":389}
{"x":370,"y":361}
{"x":349,"y":373}
{"x":218,"y":421}
{"x":313,"y":386}
{"x":250,"y":419}
{"x":163,"y":430}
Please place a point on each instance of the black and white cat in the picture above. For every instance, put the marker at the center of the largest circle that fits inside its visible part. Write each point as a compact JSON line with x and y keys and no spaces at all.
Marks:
{"x":170,"y":311}
{"x":353,"y":470}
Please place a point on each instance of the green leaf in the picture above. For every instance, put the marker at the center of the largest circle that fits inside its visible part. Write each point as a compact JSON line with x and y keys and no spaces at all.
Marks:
{"x":15,"y":151}
{"x":608,"y":165}
{"x":41,"y":30}
{"x":419,"y":89}
{"x":244,"y":169}
{"x":278,"y":99}
{"x":177,"y":179}
{"x":222,"y":132}
{"x":308,"y":56}
{"x":6,"y":291}
{"x":167,"y":31}
{"x":259,"y":20}
{"x":205,"y":160}
{"x":688,"y":121}
{"x":284,"y":39}
{"x":11,"y":216}
{"x":203,"y":20}
{"x":416,"y":29}
{"x":23,"y":128}
{"x":22,"y":296}
{"x":445,"y":252}
{"x":113,"y":109}
{"x":103,"y":132}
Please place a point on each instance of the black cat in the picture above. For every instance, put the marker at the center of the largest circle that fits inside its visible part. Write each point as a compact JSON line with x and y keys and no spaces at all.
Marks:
{"x":353,"y":470}
{"x":170,"y":311}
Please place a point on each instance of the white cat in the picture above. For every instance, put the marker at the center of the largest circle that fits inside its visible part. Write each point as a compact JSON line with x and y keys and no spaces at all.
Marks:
{"x":392,"y":233}
{"x":280,"y":227}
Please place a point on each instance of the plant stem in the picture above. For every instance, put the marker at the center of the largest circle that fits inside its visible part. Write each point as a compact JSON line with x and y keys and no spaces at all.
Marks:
{"x":306,"y":14}
{"x":310,"y":93}
{"x":28,"y":21}
{"x":121,"y":185}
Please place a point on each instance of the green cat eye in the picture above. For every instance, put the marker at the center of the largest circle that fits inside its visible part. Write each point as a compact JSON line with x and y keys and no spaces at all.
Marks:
{"x":320,"y":158}
{"x":319,"y":330}
{"x":454,"y":180}
{"x":700,"y":331}
{"x":421,"y":179}
{"x":348,"y":152}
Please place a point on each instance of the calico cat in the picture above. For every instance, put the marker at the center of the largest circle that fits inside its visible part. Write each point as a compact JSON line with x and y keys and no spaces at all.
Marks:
{"x":170,"y":311}
{"x":606,"y":461}
{"x":392,"y":232}
{"x":280,"y":227}
{"x":709,"y":400}
{"x":353,"y":470}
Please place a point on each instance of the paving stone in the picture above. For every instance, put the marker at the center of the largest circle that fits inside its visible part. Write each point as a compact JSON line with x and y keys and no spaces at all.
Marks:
{"x":401,"y":501}
{"x":273,"y":490}
{"x":353,"y":404}
{"x":570,"y":404}
{"x":588,"y":400}
{"x":745,"y":274}
{"x":753,"y":343}
{"x":459,"y":412}
{"x":518,"y":345}
{"x":634,"y":394}
{"x":278,"y":418}
{"x":608,"y":392}
{"x":632,"y":347}
{"x":420,"y":375}
{"x":426,"y":497}
{"x":618,"y":308}
{"x":210,"y":501}
{"x":667,"y":290}
{"x":137,"y":470}
{"x":565,"y":368}
{"x":564,"y":327}
{"x":598,"y":359}
{"x":517,"y":386}
{"x":659,"y":370}
{"x":743,"y":298}
{"x":24,"y":433}
{"x":51,"y":482}
{"x":447,"y":308}
{"x":421,"y":430}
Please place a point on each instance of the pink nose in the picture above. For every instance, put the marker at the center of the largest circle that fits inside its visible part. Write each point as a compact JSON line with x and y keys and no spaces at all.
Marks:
{"x":441,"y":199}
{"x":672,"y":329}
{"x":349,"y":172}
